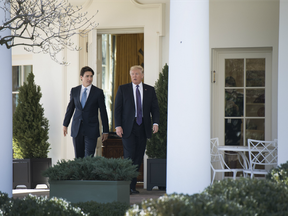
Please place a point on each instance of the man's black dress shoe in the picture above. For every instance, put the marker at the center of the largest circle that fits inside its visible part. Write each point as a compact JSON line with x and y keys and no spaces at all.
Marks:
{"x":132,"y":191}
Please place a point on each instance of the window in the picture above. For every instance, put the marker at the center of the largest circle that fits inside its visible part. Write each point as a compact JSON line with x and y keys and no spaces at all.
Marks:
{"x":19,"y":76}
{"x":108,"y":67}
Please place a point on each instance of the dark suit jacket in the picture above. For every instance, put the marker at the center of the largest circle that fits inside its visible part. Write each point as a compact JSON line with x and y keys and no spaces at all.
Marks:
{"x":125,"y":108}
{"x":89,"y":114}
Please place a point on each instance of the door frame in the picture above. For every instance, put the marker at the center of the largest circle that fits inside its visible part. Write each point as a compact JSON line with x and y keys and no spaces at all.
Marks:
{"x":218,"y":53}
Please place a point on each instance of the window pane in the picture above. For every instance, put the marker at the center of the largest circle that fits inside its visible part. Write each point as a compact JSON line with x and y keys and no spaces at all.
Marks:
{"x":233,"y":102}
{"x":233,"y":132}
{"x":14,"y":101}
{"x":27,"y":70}
{"x":234,"y":72}
{"x":255,"y":129}
{"x":255,"y":102}
{"x":255,"y":72}
{"x":16,"y":77}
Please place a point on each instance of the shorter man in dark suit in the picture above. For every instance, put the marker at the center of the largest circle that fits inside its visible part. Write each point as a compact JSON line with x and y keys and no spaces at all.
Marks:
{"x":85,"y":100}
{"x":134,"y":104}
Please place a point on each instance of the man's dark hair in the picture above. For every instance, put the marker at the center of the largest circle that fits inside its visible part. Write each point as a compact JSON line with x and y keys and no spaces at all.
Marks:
{"x":85,"y":69}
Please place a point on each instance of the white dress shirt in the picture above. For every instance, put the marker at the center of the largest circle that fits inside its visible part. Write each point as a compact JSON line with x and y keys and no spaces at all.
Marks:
{"x":87,"y":91}
{"x":135,"y":99}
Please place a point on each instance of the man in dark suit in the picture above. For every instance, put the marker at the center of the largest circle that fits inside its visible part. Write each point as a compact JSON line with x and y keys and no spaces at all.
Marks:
{"x":134,"y":104}
{"x":85,"y":100}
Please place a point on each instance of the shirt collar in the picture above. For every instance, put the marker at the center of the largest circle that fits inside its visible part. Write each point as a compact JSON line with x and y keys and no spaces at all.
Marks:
{"x":140,"y":85}
{"x":88,"y":87}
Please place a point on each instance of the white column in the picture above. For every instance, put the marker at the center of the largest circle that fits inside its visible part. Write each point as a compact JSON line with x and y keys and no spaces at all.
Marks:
{"x":5,"y":115}
{"x":188,"y":156}
{"x":282,"y":83}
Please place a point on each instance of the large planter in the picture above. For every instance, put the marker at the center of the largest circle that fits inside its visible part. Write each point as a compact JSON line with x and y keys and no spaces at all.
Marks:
{"x":156,"y":173}
{"x":91,"y":190}
{"x":28,"y":172}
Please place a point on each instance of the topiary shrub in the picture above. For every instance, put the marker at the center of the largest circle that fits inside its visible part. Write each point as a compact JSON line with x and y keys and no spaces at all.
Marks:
{"x":30,"y":127}
{"x":243,"y":197}
{"x":262,"y":196}
{"x":92,"y":168}
{"x":279,"y":174}
{"x":40,"y":206}
{"x":157,"y":145}
{"x":185,"y":205}
{"x":103,"y":209}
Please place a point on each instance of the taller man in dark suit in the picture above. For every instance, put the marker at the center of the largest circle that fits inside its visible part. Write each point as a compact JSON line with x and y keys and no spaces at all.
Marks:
{"x":134,"y":104}
{"x":85,"y":100}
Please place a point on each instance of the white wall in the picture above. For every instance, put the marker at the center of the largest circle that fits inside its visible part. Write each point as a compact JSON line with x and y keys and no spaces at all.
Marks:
{"x":253,"y":23}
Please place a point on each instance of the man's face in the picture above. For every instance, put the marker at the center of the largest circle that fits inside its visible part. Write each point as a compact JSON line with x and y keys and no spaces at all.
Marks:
{"x":87,"y":78}
{"x":136,"y":76}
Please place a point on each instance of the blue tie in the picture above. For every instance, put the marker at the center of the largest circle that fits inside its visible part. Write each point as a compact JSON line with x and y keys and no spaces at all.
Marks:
{"x":139,"y":107}
{"x":84,"y":97}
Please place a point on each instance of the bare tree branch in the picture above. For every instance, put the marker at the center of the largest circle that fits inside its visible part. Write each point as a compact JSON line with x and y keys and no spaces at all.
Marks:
{"x":43,"y":25}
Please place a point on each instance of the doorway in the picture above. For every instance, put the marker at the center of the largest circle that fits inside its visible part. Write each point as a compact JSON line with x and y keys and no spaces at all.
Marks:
{"x":241,"y":96}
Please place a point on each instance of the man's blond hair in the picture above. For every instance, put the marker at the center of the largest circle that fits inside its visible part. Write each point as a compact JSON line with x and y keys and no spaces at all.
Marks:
{"x":139,"y":67}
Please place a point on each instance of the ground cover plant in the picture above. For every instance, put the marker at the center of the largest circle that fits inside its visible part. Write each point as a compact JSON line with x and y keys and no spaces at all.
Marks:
{"x":243,"y":197}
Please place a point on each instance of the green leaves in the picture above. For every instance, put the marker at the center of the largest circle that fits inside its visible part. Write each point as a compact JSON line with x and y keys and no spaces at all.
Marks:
{"x":93,"y":168}
{"x":157,"y":145}
{"x":40,"y":206}
{"x":279,"y":174}
{"x":243,"y":197}
{"x":30,"y":127}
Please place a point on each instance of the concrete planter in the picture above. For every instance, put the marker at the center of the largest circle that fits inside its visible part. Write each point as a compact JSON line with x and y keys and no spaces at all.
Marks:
{"x":156,"y":173}
{"x":90,"y":190}
{"x":28,"y":172}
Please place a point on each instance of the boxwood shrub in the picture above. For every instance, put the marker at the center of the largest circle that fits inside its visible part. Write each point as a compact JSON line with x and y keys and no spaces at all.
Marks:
{"x":92,"y":168}
{"x":186,"y":205}
{"x":243,"y":197}
{"x":40,"y":206}
{"x":103,"y":209}
{"x":279,"y":174}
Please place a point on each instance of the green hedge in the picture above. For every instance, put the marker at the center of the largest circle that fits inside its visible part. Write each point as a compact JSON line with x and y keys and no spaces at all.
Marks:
{"x":279,"y":174}
{"x":100,"y":209}
{"x":40,"y":206}
{"x":243,"y":197}
{"x":92,"y":168}
{"x":263,"y":197}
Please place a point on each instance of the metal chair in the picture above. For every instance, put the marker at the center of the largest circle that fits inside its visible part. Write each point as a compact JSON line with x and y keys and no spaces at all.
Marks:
{"x":217,"y":162}
{"x":264,"y":153}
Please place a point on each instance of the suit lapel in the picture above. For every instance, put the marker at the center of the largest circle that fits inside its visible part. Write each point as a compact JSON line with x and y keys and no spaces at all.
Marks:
{"x":78,"y":92}
{"x":144,"y":95}
{"x":92,"y":90}
{"x":132,"y":95}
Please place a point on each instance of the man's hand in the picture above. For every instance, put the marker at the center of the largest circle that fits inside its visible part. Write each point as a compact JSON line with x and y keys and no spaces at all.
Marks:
{"x":119,"y":131}
{"x":104,"y":137}
{"x":155,"y":129}
{"x":65,"y":131}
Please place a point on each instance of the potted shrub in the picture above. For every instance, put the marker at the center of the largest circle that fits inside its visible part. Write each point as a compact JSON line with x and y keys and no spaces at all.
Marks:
{"x":156,"y":148}
{"x":99,"y":179}
{"x":30,"y":135}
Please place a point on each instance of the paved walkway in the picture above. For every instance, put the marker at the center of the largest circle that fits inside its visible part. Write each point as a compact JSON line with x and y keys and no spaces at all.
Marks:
{"x":134,"y":199}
